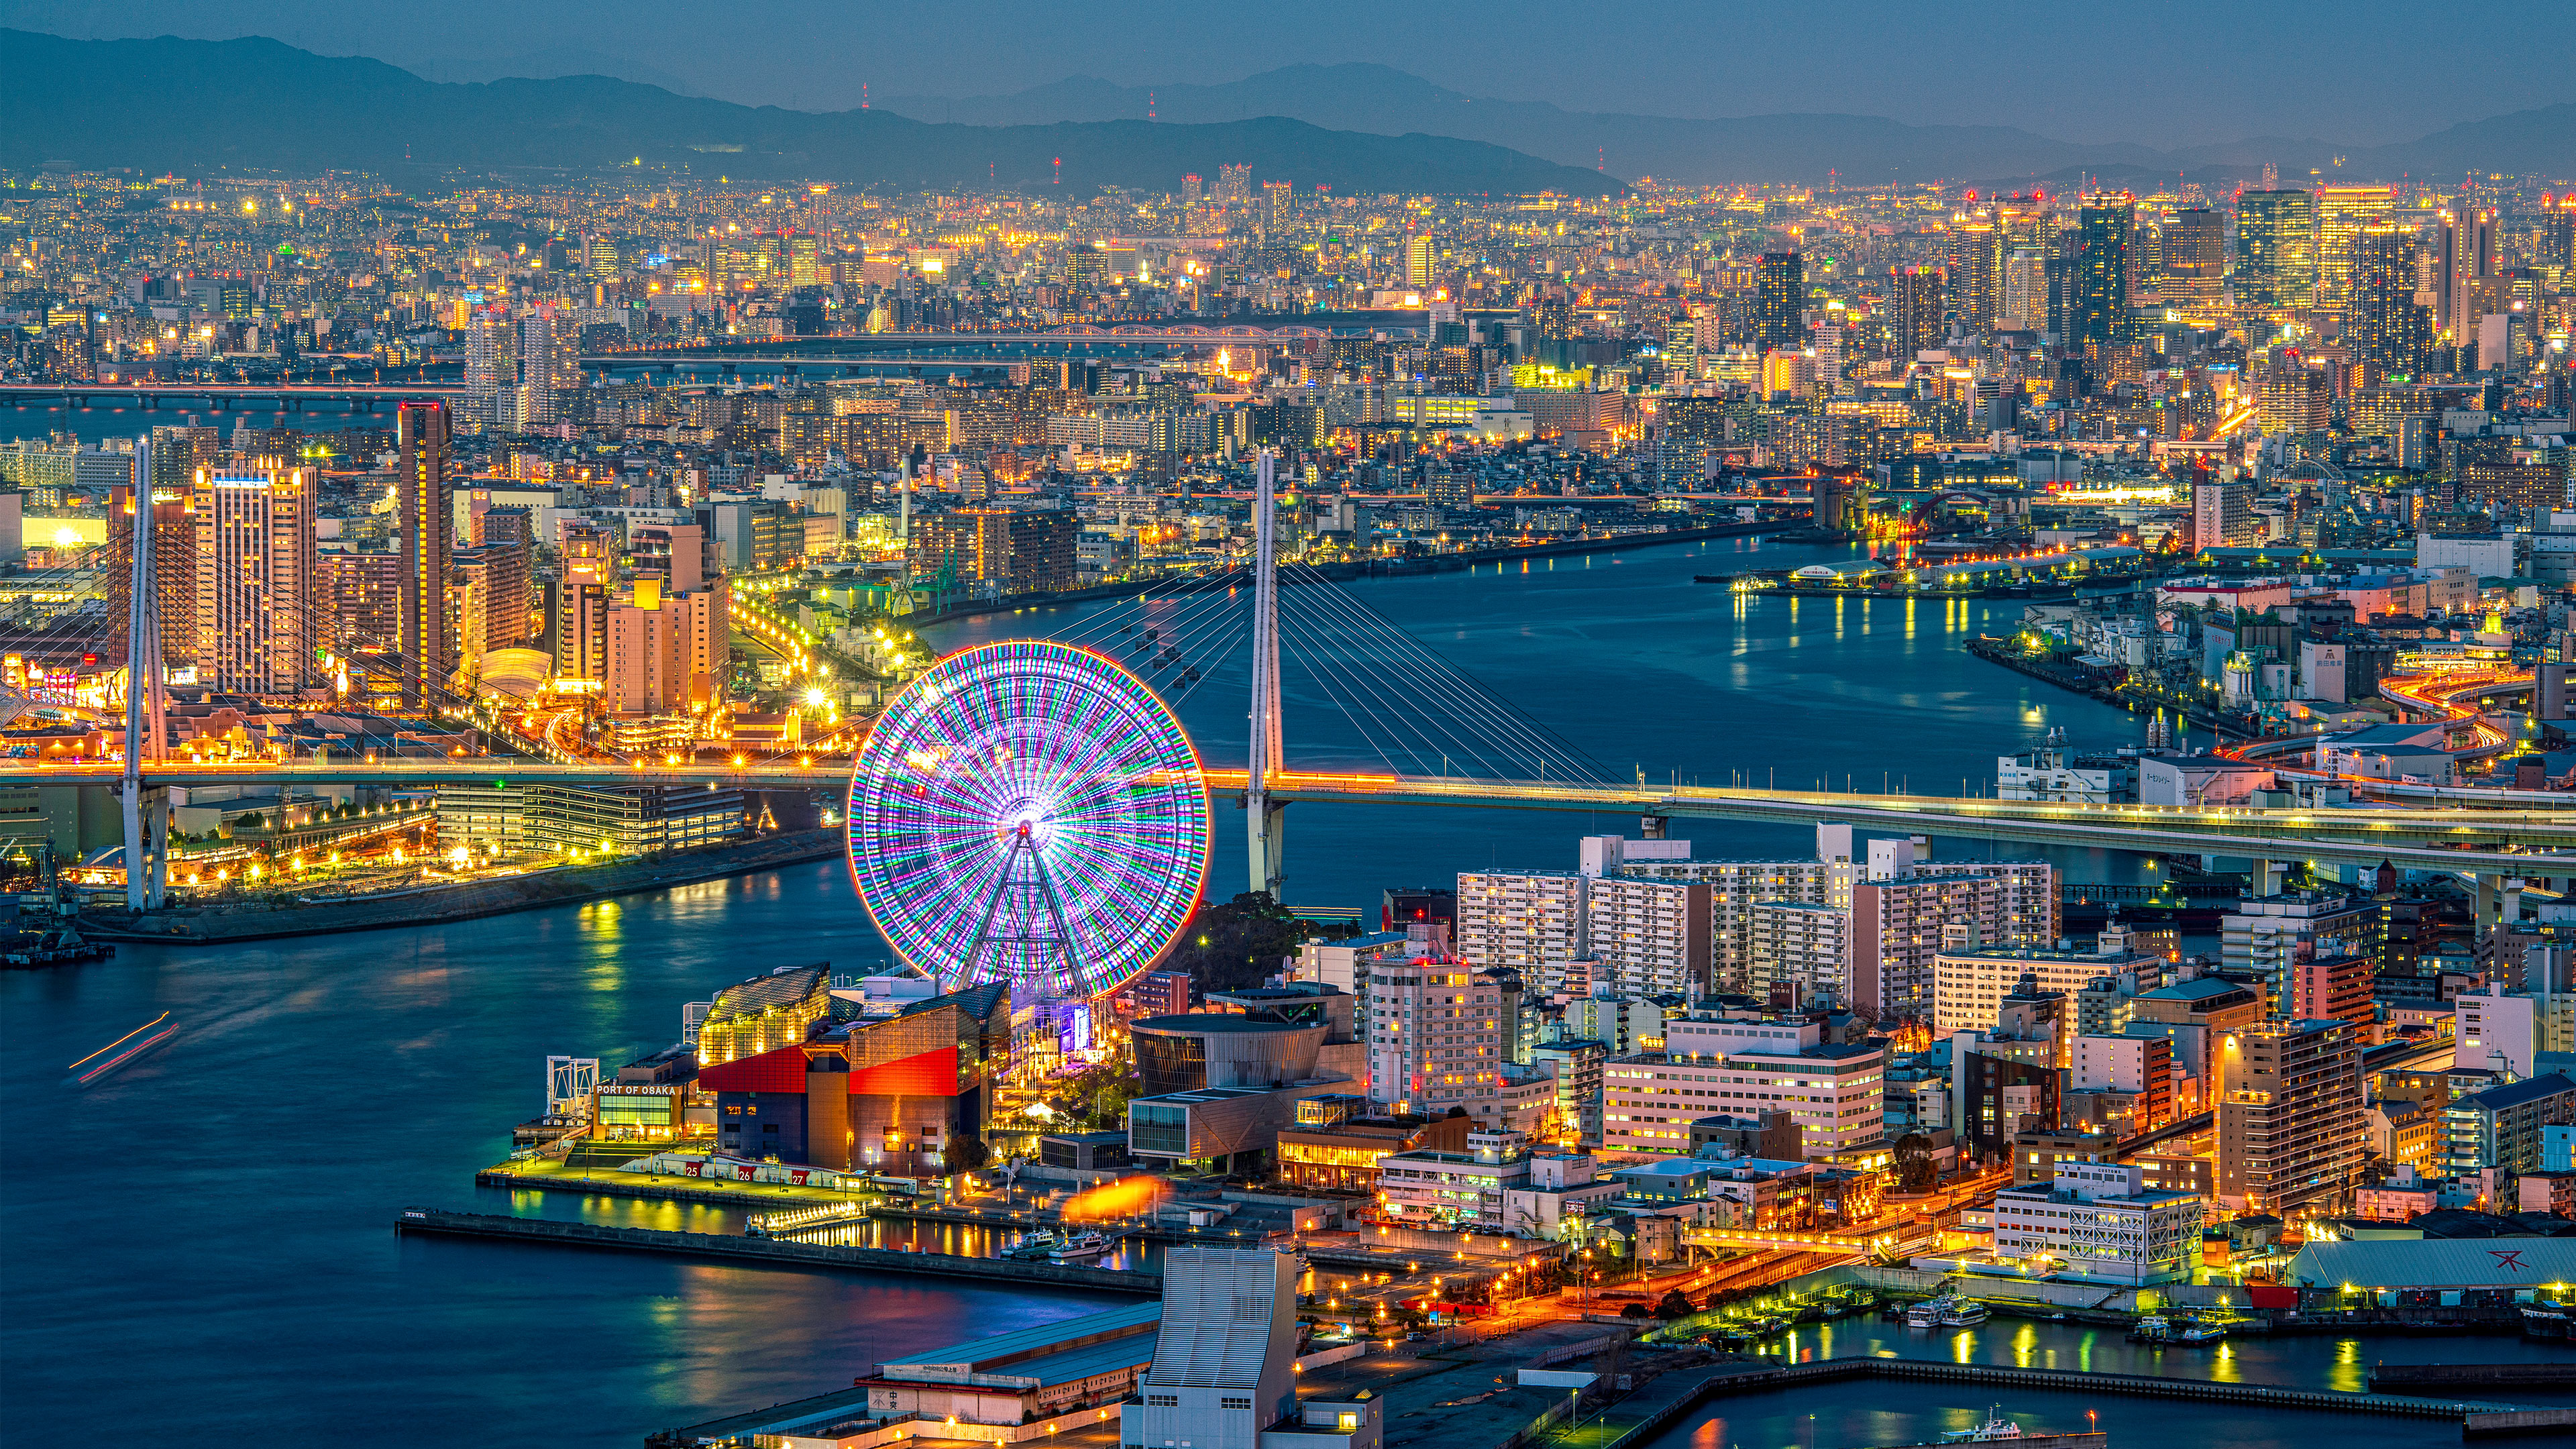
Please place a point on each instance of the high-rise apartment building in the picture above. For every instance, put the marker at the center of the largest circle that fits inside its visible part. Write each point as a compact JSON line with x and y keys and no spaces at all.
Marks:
{"x":658,"y":647}
{"x":1234,"y":184}
{"x":579,"y":613}
{"x":2276,"y":251}
{"x":2106,"y":229}
{"x":2025,"y":292}
{"x":426,"y":648}
{"x":1643,"y":935}
{"x":1903,"y":915}
{"x":495,"y":580}
{"x":2222,"y":514}
{"x":1969,"y":986}
{"x":2290,"y":1118}
{"x":1279,"y":206}
{"x":1436,"y":1037}
{"x":257,"y":620}
{"x":1780,"y":300}
{"x":1916,"y":299}
{"x":1193,"y":190}
{"x":491,"y":365}
{"x":2265,"y":938}
{"x":2465,"y":258}
{"x":1975,"y":267}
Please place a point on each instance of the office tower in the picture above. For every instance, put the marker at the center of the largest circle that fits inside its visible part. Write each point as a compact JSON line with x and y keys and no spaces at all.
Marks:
{"x":2104,"y":232}
{"x":602,"y":257}
{"x":2342,"y":212}
{"x":804,"y":268}
{"x":1975,"y":267}
{"x":1915,"y":299}
{"x":2276,"y":259}
{"x":257,"y":620}
{"x":1780,"y":301}
{"x":549,"y":360}
{"x":2467,"y":258}
{"x":2296,"y":399}
{"x":2554,"y":240}
{"x":2195,"y":270}
{"x":2383,"y":323}
{"x":426,"y":649}
{"x":1234,"y":184}
{"x":1418,"y":255}
{"x":2290,"y":1118}
{"x":1279,"y":205}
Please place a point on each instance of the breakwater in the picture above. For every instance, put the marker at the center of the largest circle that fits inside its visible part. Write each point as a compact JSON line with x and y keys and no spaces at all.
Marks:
{"x":774,"y":1252}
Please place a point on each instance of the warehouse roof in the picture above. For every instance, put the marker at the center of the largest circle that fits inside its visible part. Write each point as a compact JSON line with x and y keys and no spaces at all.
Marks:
{"x":2437,"y":1263}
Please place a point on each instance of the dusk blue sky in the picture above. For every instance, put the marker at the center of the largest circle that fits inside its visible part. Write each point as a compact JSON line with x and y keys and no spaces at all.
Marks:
{"x":2360,"y":72}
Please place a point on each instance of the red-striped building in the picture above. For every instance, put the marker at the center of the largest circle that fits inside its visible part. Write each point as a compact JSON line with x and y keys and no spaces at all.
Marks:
{"x":907,"y":1095}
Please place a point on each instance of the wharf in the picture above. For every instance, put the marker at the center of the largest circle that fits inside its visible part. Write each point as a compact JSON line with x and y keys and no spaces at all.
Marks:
{"x":770,"y":1252}
{"x":2036,"y":1441}
{"x":2480,"y":1375}
{"x":465,"y":901}
{"x":2068,"y":1381}
{"x":546,"y":1176}
{"x":2085,"y":682}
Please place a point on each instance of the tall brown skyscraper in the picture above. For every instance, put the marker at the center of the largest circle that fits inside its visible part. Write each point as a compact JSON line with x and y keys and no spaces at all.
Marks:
{"x":421,"y":430}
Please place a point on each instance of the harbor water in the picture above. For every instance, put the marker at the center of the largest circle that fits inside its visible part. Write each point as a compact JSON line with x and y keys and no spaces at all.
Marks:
{"x":201,"y":1239}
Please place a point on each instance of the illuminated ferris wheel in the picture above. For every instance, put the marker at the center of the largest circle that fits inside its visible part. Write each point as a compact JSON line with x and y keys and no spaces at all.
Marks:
{"x":1029,"y":812}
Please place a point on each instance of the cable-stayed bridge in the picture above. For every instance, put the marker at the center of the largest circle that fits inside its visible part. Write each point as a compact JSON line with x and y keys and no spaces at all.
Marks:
{"x":1436,"y":735}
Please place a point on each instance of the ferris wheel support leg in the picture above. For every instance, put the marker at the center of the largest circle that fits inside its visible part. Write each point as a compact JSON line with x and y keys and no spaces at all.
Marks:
{"x":1266,"y":842}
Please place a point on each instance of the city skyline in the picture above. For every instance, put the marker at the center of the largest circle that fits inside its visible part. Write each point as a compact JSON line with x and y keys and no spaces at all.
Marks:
{"x":582,"y":667}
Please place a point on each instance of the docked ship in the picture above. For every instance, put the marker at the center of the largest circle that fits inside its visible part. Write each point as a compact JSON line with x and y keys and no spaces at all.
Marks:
{"x":1998,"y":1429}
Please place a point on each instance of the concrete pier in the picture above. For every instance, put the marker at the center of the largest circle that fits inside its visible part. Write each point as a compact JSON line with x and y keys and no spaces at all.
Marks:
{"x":773,"y":1252}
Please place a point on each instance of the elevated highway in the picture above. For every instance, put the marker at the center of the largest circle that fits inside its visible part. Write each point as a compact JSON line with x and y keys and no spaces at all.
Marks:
{"x":2530,"y":843}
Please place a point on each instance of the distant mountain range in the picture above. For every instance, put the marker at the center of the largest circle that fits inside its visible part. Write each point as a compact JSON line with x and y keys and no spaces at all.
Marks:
{"x":1864,"y":149}
{"x":257,"y":104}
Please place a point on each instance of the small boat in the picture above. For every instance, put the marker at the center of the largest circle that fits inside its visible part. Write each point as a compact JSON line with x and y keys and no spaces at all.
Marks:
{"x":1080,"y":1247}
{"x":2545,"y":1320}
{"x":1996,"y":1427}
{"x":1927,"y":1314}
{"x":2153,"y":1328}
{"x":1035,"y":1247}
{"x":2196,"y":1331}
{"x":1964,"y":1313}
